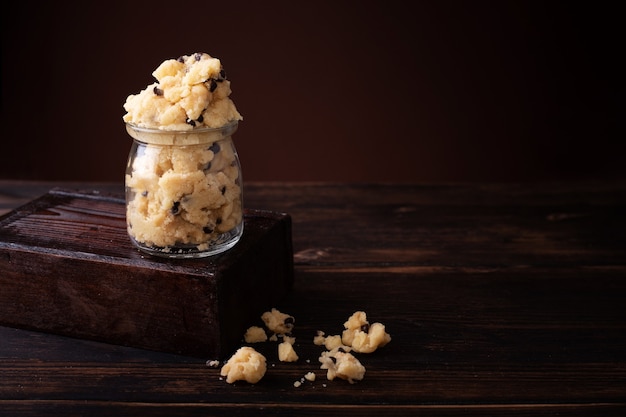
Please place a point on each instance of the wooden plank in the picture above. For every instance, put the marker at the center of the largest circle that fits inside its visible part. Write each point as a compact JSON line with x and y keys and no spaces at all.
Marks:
{"x":288,"y":409}
{"x":500,"y":337}
{"x":500,"y":300}
{"x":67,"y":267}
{"x":472,"y":225}
{"x":477,"y":225}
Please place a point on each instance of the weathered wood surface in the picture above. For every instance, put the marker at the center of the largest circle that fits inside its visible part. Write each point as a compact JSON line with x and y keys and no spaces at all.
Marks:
{"x":68,"y":267}
{"x":500,"y":300}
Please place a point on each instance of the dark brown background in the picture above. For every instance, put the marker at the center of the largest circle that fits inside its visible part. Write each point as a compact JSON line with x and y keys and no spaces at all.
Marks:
{"x":330,"y":90}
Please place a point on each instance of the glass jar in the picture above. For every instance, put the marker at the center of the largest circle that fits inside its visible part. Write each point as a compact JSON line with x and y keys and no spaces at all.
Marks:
{"x":184,"y":196}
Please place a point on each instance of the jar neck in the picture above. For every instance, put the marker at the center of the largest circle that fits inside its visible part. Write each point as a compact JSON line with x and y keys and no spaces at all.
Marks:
{"x":181,"y":137}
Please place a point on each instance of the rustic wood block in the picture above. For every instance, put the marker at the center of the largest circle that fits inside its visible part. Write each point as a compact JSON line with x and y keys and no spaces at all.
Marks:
{"x":67,"y":267}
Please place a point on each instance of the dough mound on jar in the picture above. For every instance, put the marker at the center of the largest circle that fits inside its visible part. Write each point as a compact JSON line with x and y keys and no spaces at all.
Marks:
{"x":191,"y":92}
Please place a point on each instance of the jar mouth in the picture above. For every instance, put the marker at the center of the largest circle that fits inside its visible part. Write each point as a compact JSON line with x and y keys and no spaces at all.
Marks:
{"x":193,"y":136}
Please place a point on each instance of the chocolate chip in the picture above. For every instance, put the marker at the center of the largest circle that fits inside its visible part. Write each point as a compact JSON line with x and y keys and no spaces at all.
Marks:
{"x":215,"y":147}
{"x":190,"y":122}
{"x":290,"y":320}
{"x":208,"y":230}
{"x":175,"y":208}
{"x":365,"y":328}
{"x":181,"y":58}
{"x":213,"y":85}
{"x":222,"y":76}
{"x":157,"y":91}
{"x":198,"y":56}
{"x":218,"y":220}
{"x":200,"y":119}
{"x":144,"y":193}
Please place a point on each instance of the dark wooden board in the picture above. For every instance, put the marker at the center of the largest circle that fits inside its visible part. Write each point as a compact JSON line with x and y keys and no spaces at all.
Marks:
{"x":68,"y":267}
{"x":501,"y":299}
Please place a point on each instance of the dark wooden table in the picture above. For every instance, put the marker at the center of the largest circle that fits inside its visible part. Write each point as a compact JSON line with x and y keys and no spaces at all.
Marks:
{"x":500,"y":300}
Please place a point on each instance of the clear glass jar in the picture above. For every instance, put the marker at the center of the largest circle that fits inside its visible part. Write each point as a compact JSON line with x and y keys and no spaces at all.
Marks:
{"x":184,"y":196}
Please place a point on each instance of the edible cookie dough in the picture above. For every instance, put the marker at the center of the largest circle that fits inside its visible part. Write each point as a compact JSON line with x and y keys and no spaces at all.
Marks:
{"x":286,"y":352}
{"x":362,"y":336}
{"x":191,"y":91}
{"x":246,"y":364}
{"x":255,"y":334}
{"x":183,"y":184}
{"x":278,"y":322}
{"x":341,"y":364}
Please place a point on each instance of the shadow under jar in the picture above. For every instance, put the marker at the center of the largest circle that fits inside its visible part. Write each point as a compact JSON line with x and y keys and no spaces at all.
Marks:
{"x":184,"y":196}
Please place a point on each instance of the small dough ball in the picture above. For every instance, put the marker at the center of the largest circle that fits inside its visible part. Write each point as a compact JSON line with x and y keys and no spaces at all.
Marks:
{"x":368,"y":342}
{"x":255,"y":334}
{"x":356,"y":321}
{"x":332,"y":342}
{"x":289,"y":339}
{"x":319,"y":339}
{"x":278,"y":322}
{"x":246,"y":364}
{"x":362,"y":336}
{"x":342,"y":365}
{"x":286,"y":353}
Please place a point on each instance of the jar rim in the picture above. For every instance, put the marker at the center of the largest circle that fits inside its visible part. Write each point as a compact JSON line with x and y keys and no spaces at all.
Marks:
{"x":200,"y":135}
{"x":195,"y":130}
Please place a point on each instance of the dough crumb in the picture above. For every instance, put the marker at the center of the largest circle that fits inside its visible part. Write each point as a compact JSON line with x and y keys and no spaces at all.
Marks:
{"x":362,"y":336}
{"x":319,"y":339}
{"x":368,"y":342}
{"x":277,"y":322}
{"x":286,"y":353}
{"x":246,"y":364}
{"x":343,"y":365}
{"x":332,"y":342}
{"x":255,"y":334}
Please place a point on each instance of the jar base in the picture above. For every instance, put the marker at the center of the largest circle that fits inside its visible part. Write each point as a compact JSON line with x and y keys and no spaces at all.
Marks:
{"x":185,"y":251}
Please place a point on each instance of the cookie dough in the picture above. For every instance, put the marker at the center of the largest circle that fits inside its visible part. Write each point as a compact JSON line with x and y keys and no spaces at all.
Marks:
{"x":329,"y":342}
{"x":191,"y":92}
{"x":319,"y":339}
{"x":362,"y":336}
{"x":246,"y":364}
{"x":255,"y":334}
{"x":183,"y":182}
{"x":286,"y":352}
{"x":277,"y":322}
{"x":309,"y":376}
{"x":184,"y":195}
{"x":368,"y":342}
{"x":341,"y":364}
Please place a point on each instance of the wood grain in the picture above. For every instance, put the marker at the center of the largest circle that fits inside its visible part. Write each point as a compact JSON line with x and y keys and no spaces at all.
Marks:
{"x":67,"y":267}
{"x":500,"y":300}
